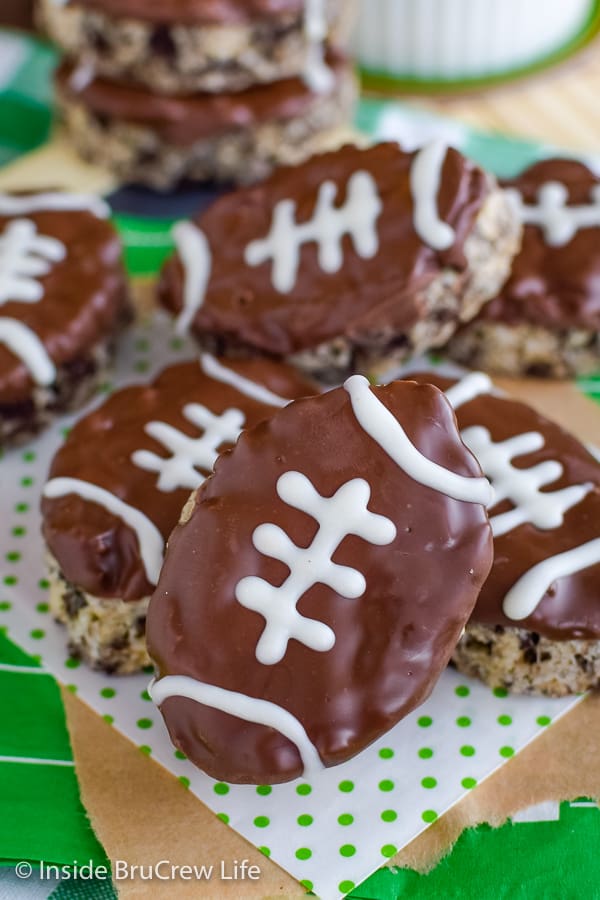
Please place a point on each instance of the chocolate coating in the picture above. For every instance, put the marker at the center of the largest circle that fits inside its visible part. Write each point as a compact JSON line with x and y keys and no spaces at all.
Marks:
{"x":98,"y":551}
{"x":556,"y":287}
{"x":84,"y":295}
{"x":570,"y":609}
{"x":391,"y":643}
{"x":366,"y":296}
{"x":195,"y":12}
{"x":182,"y":120}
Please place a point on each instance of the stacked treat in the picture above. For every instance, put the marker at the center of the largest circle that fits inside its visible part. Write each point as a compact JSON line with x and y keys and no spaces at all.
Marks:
{"x":158,"y":92}
{"x":351,"y":534}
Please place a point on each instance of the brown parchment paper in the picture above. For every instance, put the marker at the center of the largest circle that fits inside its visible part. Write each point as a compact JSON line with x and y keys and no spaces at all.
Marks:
{"x":142,"y":814}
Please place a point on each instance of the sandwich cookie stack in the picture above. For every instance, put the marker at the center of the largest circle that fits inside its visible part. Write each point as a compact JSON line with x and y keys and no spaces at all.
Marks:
{"x":204,"y":90}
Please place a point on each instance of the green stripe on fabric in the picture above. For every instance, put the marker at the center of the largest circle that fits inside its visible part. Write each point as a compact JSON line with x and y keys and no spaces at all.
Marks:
{"x":43,"y":817}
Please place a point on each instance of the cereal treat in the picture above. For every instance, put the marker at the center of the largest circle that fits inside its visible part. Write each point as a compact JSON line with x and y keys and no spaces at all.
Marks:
{"x":158,"y":140}
{"x":118,"y":485}
{"x":350,"y":262}
{"x":185,"y":46}
{"x":536,"y":625}
{"x":63,"y":301}
{"x":546,"y":320}
{"x":318,"y":582}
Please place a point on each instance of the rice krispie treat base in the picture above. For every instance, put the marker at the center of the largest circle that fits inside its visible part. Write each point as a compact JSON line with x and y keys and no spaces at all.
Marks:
{"x":107,"y":634}
{"x":526,"y":662}
{"x":179,"y":56}
{"x":527,"y":349}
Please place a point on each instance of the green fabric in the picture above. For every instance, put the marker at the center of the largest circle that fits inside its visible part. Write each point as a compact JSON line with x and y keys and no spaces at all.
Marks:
{"x":524,"y":861}
{"x":42,"y":815}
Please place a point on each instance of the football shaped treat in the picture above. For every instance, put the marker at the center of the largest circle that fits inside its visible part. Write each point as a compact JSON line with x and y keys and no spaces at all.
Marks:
{"x":536,"y":625}
{"x":350,"y":261}
{"x":118,"y":485}
{"x":546,"y":319}
{"x":318,"y":582}
{"x":63,"y":300}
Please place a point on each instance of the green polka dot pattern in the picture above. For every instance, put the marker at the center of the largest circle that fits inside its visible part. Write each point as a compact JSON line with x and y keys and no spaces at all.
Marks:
{"x":330,"y":831}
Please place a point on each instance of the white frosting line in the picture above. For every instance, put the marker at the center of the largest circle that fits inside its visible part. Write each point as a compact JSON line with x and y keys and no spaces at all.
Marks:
{"x":196,"y":259}
{"x":179,"y":469}
{"x":523,"y":487}
{"x":36,"y":761}
{"x":531,"y":588}
{"x":12,"y":205}
{"x":425,"y":180}
{"x":379,"y":423}
{"x":473,"y":385}
{"x":216,"y":370}
{"x":26,"y":256}
{"x":559,"y":221}
{"x":317,"y":74}
{"x":329,"y":224}
{"x":25,"y":344}
{"x":338,"y":516}
{"x":150,"y":540}
{"x":250,"y":709}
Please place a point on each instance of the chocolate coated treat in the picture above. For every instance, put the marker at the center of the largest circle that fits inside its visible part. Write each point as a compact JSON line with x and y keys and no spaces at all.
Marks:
{"x":546,"y":319}
{"x":118,"y":484}
{"x":546,"y":574}
{"x":353,"y":259}
{"x":63,"y":298}
{"x":318,"y":582}
{"x":176,"y":48}
{"x":158,"y":140}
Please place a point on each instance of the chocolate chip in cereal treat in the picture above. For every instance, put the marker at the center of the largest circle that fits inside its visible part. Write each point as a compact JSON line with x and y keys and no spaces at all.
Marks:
{"x":318,"y":582}
{"x":118,"y":484}
{"x":545,"y":322}
{"x":63,"y":301}
{"x":158,"y":140}
{"x":183,"y":47}
{"x":349,"y":262}
{"x":536,"y":625}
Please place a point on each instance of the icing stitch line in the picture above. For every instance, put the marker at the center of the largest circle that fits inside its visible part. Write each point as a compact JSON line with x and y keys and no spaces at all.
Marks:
{"x":327,"y":228}
{"x":558,"y":221}
{"x":250,"y":709}
{"x":11,"y":205}
{"x":524,"y":596}
{"x":26,"y":345}
{"x":543,"y":509}
{"x":179,"y":469}
{"x":425,"y":180}
{"x":26,"y":256}
{"x":379,"y":423}
{"x":150,"y":540}
{"x":338,"y":516}
{"x":196,"y":259}
{"x":218,"y":372}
